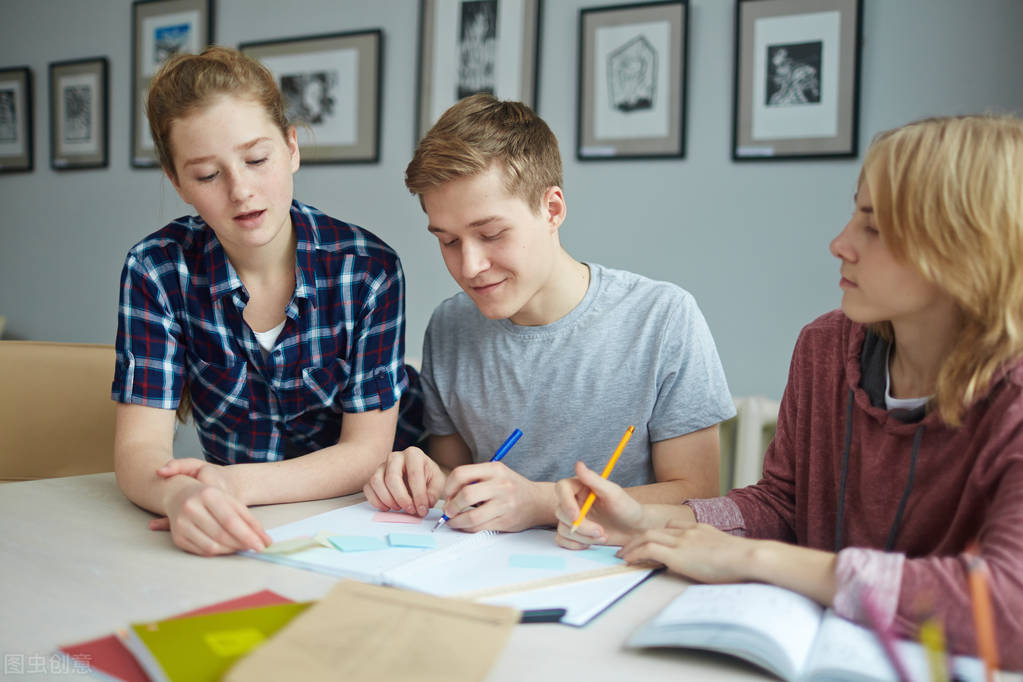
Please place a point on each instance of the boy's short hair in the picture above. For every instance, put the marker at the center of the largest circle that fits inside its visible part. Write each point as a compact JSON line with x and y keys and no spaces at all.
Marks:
{"x":477,"y":132}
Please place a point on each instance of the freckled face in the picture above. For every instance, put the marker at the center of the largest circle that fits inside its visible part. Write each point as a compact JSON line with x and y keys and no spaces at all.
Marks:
{"x":235,"y":168}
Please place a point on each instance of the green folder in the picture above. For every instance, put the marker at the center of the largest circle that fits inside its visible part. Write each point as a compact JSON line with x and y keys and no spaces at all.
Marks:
{"x":199,"y":648}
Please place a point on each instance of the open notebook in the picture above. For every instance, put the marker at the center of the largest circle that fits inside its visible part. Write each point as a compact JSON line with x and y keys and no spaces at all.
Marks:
{"x":526,"y":570}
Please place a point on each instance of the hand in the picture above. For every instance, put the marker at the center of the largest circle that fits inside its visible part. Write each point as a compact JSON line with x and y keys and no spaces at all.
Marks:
{"x":614,"y":518}
{"x":490,"y":496}
{"x":695,"y":550}
{"x":194,"y":468}
{"x":203,"y":515}
{"x":409,"y":480}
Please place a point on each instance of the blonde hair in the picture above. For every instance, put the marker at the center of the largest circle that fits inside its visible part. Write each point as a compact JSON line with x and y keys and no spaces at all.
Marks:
{"x":188,"y":82}
{"x":479,"y":131}
{"x":948,"y":197}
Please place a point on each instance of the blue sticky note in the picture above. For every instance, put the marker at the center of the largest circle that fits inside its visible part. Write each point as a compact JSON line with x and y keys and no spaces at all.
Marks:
{"x":544,"y":561}
{"x":357,"y":543}
{"x":411,"y":540}
{"x":603,"y":554}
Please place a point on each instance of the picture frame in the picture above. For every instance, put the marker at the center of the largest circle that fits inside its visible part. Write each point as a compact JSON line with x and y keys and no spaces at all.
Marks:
{"x":160,"y":29}
{"x":469,"y":46}
{"x":633,"y":61}
{"x":79,"y":114}
{"x":332,"y":88}
{"x":797,"y":79}
{"x":16,"y":130}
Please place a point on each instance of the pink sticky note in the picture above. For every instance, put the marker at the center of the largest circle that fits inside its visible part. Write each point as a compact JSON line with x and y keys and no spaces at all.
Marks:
{"x":396,"y":517}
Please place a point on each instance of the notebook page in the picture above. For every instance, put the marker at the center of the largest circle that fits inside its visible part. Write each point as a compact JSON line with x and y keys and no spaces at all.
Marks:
{"x":493,"y":562}
{"x":849,"y":650}
{"x":358,"y":520}
{"x":768,"y":613}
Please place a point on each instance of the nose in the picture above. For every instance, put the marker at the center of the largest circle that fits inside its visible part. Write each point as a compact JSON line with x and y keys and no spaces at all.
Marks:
{"x":841,"y":246}
{"x":474,"y":259}
{"x":238,"y":186}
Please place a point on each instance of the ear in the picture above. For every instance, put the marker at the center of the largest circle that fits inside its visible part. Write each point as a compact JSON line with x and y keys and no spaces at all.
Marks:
{"x":554,"y":207}
{"x":292,"y":141}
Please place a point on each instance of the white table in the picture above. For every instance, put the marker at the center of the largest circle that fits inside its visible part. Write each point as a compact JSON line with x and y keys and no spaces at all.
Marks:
{"x":78,"y":561}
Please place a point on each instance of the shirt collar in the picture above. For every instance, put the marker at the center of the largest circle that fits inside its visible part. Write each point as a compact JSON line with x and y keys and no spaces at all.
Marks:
{"x":224,"y":278}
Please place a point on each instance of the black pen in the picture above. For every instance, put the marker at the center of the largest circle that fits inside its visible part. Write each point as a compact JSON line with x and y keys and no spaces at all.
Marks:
{"x":542,"y":616}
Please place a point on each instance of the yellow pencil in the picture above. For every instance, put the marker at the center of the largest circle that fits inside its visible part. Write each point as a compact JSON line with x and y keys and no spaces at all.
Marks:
{"x":592,"y":497}
{"x":983,"y":617}
{"x":932,"y":636}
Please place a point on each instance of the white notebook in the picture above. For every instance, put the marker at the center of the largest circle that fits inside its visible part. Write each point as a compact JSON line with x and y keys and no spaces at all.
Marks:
{"x":786,"y":633}
{"x":527,"y":570}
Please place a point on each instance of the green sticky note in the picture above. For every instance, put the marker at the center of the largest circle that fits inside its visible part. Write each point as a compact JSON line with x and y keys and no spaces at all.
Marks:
{"x":603,"y":554}
{"x":411,"y":540}
{"x":357,"y":543}
{"x":542,"y":561}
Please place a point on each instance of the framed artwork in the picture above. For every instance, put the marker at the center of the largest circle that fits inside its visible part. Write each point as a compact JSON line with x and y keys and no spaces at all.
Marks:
{"x":331,"y":84}
{"x":632,"y":81}
{"x":161,"y":28}
{"x":797,"y":79}
{"x":471,"y":46}
{"x":16,"y":151}
{"x":79,"y":114}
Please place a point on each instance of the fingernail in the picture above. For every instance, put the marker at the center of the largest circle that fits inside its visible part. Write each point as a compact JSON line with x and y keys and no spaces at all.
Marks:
{"x":422,"y":510}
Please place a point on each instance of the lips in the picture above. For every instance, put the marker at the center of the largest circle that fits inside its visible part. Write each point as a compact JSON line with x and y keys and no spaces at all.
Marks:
{"x":486,"y":288}
{"x":251,"y":215}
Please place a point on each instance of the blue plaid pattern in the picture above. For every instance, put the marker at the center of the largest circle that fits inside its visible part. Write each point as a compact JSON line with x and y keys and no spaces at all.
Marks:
{"x":341,"y":349}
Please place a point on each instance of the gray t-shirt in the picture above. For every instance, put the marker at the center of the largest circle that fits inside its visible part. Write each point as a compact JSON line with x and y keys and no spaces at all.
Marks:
{"x":634,"y":351}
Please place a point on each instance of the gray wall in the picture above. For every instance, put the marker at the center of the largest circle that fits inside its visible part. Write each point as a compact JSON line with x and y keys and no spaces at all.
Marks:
{"x":749,"y":240}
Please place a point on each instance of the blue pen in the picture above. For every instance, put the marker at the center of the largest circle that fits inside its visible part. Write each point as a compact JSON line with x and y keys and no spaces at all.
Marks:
{"x":498,"y":456}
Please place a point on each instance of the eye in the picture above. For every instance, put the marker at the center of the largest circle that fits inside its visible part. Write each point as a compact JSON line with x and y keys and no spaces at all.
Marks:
{"x":448,"y":243}
{"x":871,"y":230}
{"x":257,"y":162}
{"x":492,"y":237}
{"x":206,"y":178}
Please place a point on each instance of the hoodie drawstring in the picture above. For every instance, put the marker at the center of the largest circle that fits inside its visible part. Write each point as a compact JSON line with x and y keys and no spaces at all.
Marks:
{"x":894,"y":530}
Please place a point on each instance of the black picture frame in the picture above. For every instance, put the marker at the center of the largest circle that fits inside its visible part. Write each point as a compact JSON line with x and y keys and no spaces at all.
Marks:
{"x":17,"y":151}
{"x":797,"y":79}
{"x":160,"y":28}
{"x":332,"y":84}
{"x":79,"y":114}
{"x":442,"y":77}
{"x":633,"y":65}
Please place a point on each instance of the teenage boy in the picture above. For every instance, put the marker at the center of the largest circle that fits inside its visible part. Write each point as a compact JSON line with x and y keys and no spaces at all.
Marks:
{"x":570,"y":353}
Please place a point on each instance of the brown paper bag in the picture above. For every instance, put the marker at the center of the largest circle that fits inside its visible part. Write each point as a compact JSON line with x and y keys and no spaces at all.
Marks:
{"x":367,"y":632}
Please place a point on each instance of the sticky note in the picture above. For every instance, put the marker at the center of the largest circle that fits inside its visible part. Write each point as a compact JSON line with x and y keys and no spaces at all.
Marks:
{"x":602,"y":553}
{"x":323,"y":538}
{"x":411,"y":540}
{"x":396,"y":517}
{"x":357,"y":543}
{"x":544,"y":561}
{"x":233,"y":643}
{"x":291,"y":545}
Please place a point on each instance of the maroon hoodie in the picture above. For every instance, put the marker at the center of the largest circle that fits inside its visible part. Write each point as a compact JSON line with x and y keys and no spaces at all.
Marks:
{"x":966,"y":484}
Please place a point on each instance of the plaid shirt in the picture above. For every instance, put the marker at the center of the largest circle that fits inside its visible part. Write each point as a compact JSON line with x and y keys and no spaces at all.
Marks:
{"x":341,"y":349}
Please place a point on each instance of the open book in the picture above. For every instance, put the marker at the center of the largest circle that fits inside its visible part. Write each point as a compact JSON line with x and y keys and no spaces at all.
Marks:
{"x":526,"y":570}
{"x":785,"y":633}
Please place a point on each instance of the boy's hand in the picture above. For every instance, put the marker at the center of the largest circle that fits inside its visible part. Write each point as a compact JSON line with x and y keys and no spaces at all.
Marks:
{"x":614,"y":517}
{"x":203,"y":515}
{"x":408,"y":481}
{"x":490,"y":496}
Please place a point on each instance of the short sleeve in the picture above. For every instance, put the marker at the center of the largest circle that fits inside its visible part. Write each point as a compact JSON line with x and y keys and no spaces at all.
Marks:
{"x":150,"y":353}
{"x":377,"y":365}
{"x":692,"y":390}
